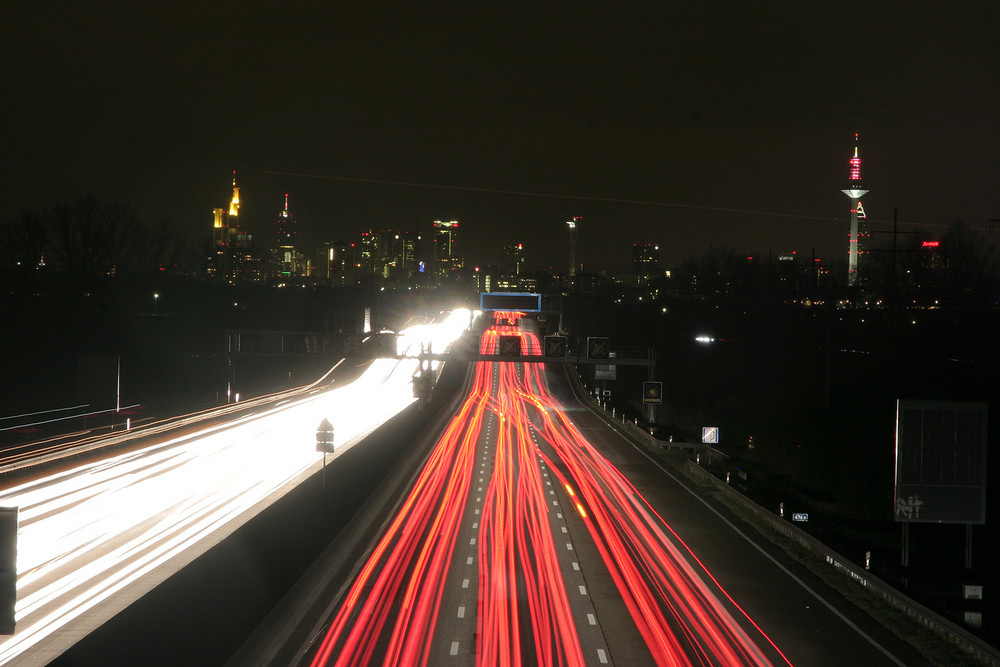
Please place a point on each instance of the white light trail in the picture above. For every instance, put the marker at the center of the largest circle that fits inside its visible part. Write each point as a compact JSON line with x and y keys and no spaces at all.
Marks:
{"x":88,"y":533}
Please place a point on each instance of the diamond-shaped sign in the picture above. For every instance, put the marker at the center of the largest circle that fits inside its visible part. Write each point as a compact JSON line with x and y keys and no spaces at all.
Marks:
{"x":509,"y":346}
{"x":652,"y":392}
{"x":555,"y":347}
{"x":598,"y":348}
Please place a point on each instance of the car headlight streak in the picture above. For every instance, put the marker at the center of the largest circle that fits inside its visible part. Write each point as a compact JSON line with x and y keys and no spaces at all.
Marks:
{"x":87,"y":533}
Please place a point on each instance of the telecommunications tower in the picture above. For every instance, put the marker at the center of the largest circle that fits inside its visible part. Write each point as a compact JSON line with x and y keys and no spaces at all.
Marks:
{"x":855,"y":189}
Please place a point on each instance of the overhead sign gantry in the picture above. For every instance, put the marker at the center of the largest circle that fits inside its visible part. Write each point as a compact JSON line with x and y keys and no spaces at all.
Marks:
{"x":525,"y":302}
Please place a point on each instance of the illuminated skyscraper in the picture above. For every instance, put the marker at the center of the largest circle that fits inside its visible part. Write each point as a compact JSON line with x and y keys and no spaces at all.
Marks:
{"x":443,"y":244}
{"x":230,"y":244}
{"x":855,"y":189}
{"x":513,"y":259}
{"x":234,"y":204}
{"x":573,"y":224}
{"x":286,"y":241}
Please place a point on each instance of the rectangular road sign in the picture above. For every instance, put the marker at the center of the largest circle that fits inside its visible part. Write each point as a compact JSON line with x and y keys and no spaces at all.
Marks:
{"x":800,"y":516}
{"x":524,"y":302}
{"x":710,"y":435}
{"x":940,"y":461}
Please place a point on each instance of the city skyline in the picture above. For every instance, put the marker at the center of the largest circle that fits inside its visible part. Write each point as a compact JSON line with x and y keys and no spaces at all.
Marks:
{"x":682,"y":125}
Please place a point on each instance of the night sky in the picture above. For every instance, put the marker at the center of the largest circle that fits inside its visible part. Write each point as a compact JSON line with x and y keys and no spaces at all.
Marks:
{"x":689,"y":125}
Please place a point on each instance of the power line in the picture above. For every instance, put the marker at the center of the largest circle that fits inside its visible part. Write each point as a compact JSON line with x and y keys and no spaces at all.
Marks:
{"x":525,"y":193}
{"x":614,"y":200}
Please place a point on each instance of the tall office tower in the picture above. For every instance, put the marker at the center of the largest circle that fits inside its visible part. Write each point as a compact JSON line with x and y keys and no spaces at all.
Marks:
{"x":230,"y":244}
{"x":286,"y":242}
{"x":218,"y":228}
{"x":366,"y":257}
{"x":444,"y":236}
{"x":234,"y":204}
{"x":513,"y":259}
{"x":573,"y":224}
{"x":412,"y":253}
{"x":855,"y":189}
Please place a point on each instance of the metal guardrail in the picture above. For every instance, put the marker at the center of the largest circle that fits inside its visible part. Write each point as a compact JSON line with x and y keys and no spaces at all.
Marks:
{"x":978,"y":649}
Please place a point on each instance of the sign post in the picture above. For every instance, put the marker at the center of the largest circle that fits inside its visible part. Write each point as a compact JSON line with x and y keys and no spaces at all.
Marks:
{"x":940,"y":466}
{"x":324,"y":443}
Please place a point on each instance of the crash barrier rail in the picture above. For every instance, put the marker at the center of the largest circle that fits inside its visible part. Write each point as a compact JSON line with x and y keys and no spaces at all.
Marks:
{"x":978,"y":650}
{"x":976,"y":647}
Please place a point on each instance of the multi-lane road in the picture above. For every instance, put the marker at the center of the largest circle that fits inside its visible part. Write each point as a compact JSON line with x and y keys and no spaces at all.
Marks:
{"x":532,"y":534}
{"x":523,"y":541}
{"x":94,"y":537}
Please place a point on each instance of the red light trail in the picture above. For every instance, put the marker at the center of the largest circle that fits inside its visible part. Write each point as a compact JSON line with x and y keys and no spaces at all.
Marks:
{"x":524,"y":613}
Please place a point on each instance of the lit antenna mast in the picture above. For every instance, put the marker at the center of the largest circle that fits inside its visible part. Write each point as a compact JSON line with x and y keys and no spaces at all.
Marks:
{"x":855,"y":189}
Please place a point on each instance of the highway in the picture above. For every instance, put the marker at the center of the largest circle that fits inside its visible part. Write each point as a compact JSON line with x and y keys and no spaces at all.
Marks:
{"x":94,"y":537}
{"x":521,"y":542}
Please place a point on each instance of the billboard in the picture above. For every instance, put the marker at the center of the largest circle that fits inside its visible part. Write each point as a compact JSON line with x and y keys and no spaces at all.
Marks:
{"x":940,"y":462}
{"x":524,"y":302}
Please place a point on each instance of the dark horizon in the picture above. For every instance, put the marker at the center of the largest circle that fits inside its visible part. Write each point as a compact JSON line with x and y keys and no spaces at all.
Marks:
{"x":687,"y":126}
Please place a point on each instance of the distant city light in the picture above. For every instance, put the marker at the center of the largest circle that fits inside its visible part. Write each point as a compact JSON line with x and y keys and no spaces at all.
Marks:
{"x":930,"y":244}
{"x":704,"y":339}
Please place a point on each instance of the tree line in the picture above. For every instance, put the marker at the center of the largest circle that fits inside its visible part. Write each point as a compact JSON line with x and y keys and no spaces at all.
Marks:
{"x":88,"y":238}
{"x":958,"y":269}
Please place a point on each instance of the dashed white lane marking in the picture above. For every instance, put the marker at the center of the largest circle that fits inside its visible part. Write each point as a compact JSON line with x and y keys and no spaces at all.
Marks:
{"x":569,"y":546}
{"x":602,"y":656}
{"x":461,"y":612}
{"x":591,"y":619}
{"x":576,"y":566}
{"x":454,"y":648}
{"x":469,"y":561}
{"x":583,"y":590}
{"x":472,"y":541}
{"x":465,"y":583}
